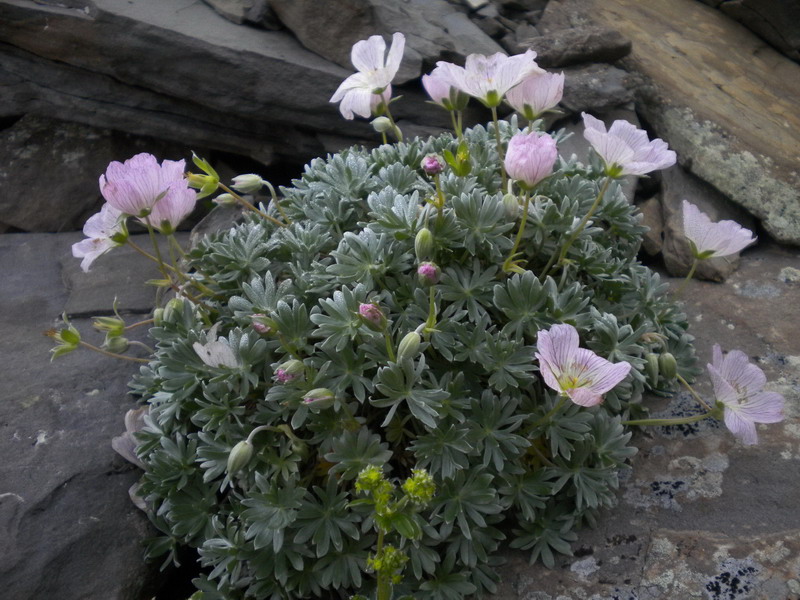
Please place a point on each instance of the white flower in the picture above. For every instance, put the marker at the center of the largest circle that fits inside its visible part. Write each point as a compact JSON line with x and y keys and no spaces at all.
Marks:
{"x":488,"y":78}
{"x":216,"y":353}
{"x":363,"y":91}
{"x":99,"y":229}
{"x":708,"y":239}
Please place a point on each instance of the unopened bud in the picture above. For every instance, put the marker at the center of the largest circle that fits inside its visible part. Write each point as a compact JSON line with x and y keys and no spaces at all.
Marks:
{"x":372,"y":316}
{"x":69,"y":336}
{"x":433,"y":164}
{"x":247,"y":184}
{"x":511,"y":204}
{"x":420,"y":487}
{"x":423,"y":244}
{"x":409,"y":347}
{"x":173,"y":310}
{"x":289,"y":371}
{"x":158,"y":317}
{"x":668,"y":365}
{"x":382,"y":124}
{"x":263,"y":324}
{"x":428,"y":274}
{"x":224,"y":199}
{"x":240,"y":455}
{"x":319,"y":398}
{"x":113,"y":326}
{"x":651,"y":367}
{"x":116,"y":345}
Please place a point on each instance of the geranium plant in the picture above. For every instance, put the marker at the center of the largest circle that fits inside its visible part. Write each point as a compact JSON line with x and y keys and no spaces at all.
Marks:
{"x":420,"y":352}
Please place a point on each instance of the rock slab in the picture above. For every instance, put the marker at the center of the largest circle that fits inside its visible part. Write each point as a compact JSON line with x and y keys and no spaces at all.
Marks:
{"x":725,"y":101}
{"x":69,"y":528}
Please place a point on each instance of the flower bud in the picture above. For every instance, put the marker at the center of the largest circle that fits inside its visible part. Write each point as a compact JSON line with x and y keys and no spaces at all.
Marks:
{"x":428,"y":274}
{"x":224,"y":199}
{"x":372,"y":316}
{"x":668,"y":365}
{"x":432,"y":164}
{"x":173,"y":310}
{"x":511,"y":204}
{"x":290,"y":370}
{"x":409,"y":347}
{"x":69,"y":336}
{"x":115,"y":344}
{"x":158,"y":317}
{"x":420,"y":487}
{"x":113,"y":326}
{"x":530,"y":158}
{"x":319,"y":398}
{"x":651,"y":367}
{"x":423,"y":244}
{"x":247,"y":184}
{"x":263,"y":324}
{"x":382,"y":124}
{"x":240,"y":455}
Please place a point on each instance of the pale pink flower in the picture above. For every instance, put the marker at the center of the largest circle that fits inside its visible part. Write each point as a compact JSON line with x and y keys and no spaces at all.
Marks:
{"x":135,"y":186}
{"x":488,"y":78}
{"x":99,"y":230}
{"x":364,"y":91}
{"x":530,"y":158}
{"x":738,"y":386}
{"x":372,"y":316}
{"x":537,"y":94}
{"x":177,"y":204}
{"x":708,"y":239}
{"x":573,"y":371}
{"x":429,"y":273}
{"x":432,"y":164}
{"x":626,"y":150}
{"x":442,"y":92}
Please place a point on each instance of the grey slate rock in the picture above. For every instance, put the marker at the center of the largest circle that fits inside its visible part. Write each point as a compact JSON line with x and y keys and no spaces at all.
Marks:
{"x":578,"y":45}
{"x":69,"y":528}
{"x":49,"y":170}
{"x":776,"y":21}
{"x":434,"y":30}
{"x":597,"y":87}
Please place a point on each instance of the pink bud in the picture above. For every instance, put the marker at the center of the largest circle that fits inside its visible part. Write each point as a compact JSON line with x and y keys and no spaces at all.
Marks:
{"x":428,"y":273}
{"x":372,"y":316}
{"x":530,"y":158}
{"x":432,"y":164}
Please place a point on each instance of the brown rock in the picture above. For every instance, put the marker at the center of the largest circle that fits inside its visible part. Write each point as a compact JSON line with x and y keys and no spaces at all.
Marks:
{"x":652,"y":217}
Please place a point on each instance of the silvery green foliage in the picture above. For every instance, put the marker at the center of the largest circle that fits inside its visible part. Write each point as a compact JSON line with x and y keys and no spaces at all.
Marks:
{"x":511,"y":466}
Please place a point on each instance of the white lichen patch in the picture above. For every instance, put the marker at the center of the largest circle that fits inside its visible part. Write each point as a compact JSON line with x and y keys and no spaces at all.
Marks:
{"x":789,"y":275}
{"x":773,"y":553}
{"x":584,"y":567}
{"x":41,"y":438}
{"x":662,"y":548}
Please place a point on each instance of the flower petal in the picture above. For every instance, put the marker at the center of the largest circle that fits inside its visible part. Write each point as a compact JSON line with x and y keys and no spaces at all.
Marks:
{"x":369,"y":54}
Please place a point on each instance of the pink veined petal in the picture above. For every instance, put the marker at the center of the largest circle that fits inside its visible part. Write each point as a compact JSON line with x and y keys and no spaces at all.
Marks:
{"x":655,"y":153}
{"x":723,"y":391}
{"x":453,"y":74}
{"x":716,"y":355}
{"x":558,"y":346}
{"x":437,"y":87}
{"x":696,"y":225}
{"x":512,"y":70}
{"x":591,"y":123}
{"x":550,"y":373}
{"x":764,"y":407}
{"x":601,"y":374}
{"x":745,"y":377}
{"x":612,"y":150}
{"x":636,"y":139}
{"x":90,"y":249}
{"x":174,"y":207}
{"x":741,"y":427}
{"x":395,"y":56}
{"x":172,"y":170}
{"x":585,"y":396}
{"x":369,"y":54}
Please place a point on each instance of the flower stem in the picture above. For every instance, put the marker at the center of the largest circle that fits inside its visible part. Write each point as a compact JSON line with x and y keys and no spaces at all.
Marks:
{"x":162,"y":266}
{"x":139,"y":324}
{"x":571,"y":240}
{"x":685,"y":282}
{"x":430,"y":324}
{"x":112,"y":354}
{"x":395,"y":128}
{"x":389,"y":345}
{"x":276,"y":202}
{"x":556,"y":407}
{"x":509,"y":264}
{"x":500,"y":152}
{"x":249,"y":206}
{"x":693,"y":393}
{"x":665,"y":422}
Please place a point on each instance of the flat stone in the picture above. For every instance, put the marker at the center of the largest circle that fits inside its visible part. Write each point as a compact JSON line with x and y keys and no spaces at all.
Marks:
{"x":722,"y":99}
{"x":434,"y":30}
{"x":597,"y":88}
{"x":49,"y":170}
{"x":69,"y":528}
{"x":117,"y":275}
{"x":567,"y":47}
